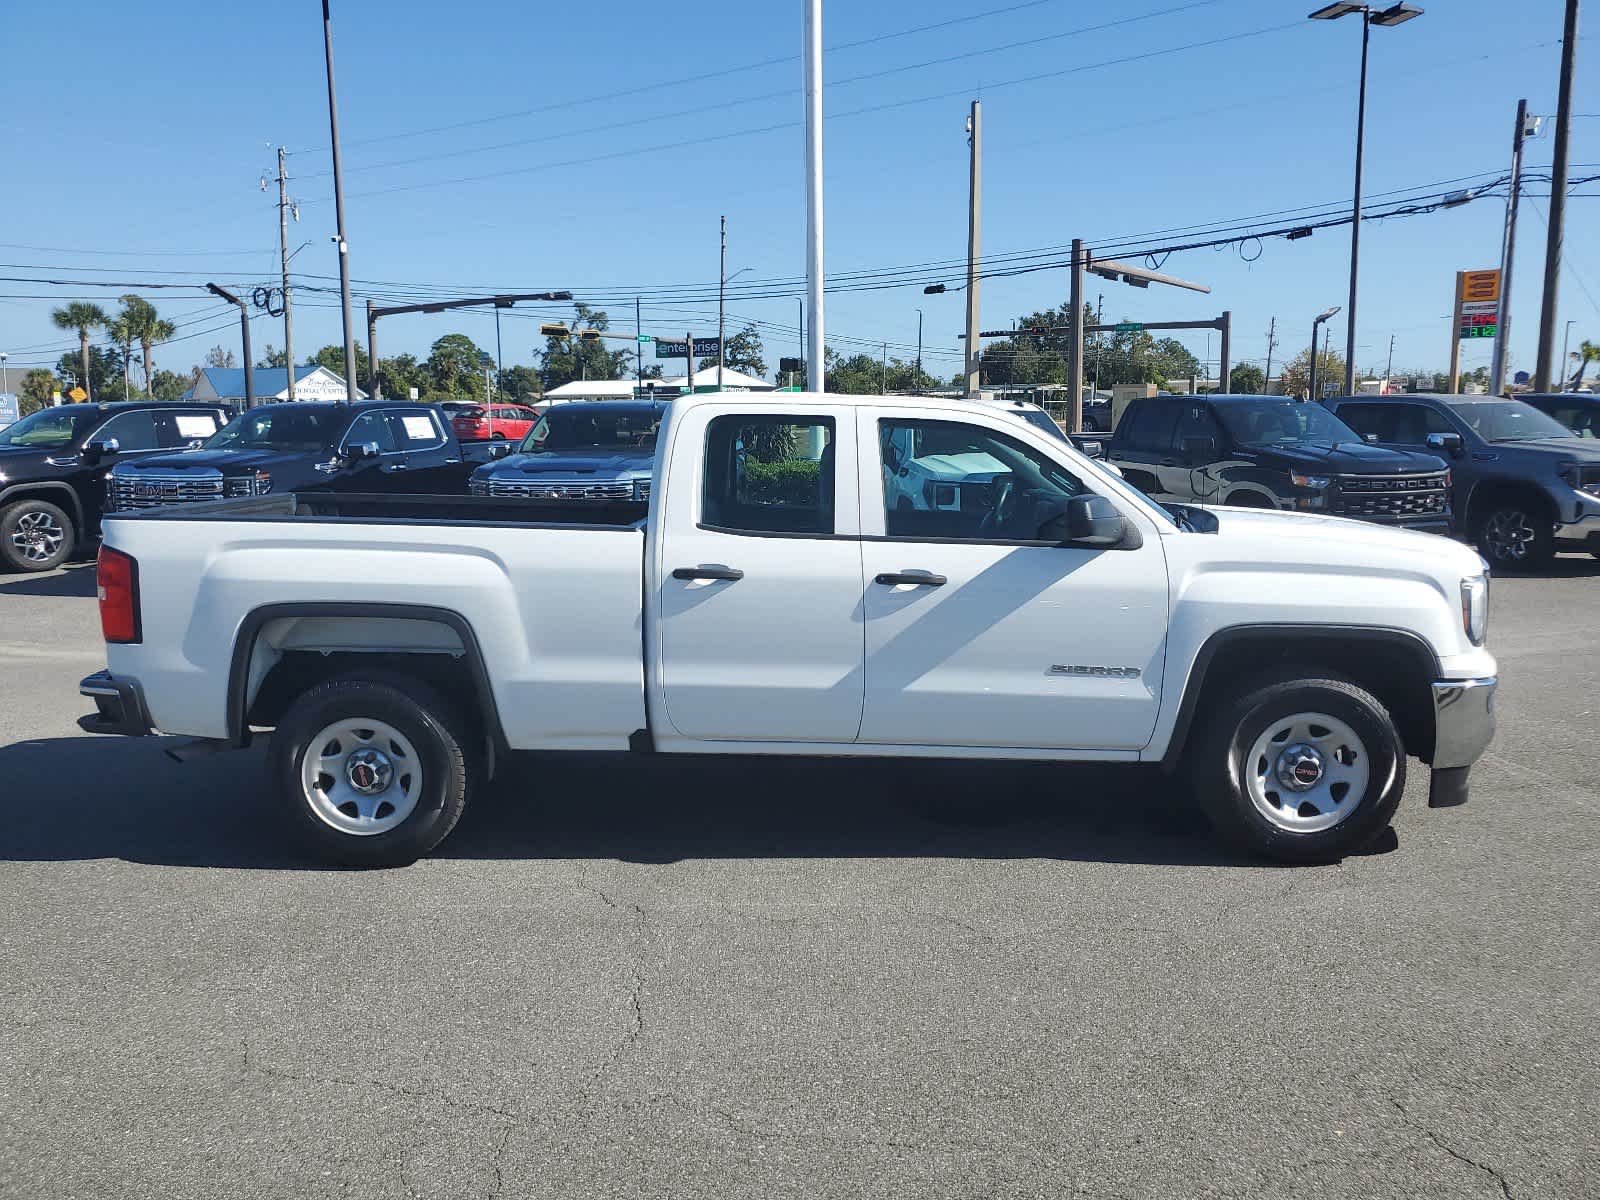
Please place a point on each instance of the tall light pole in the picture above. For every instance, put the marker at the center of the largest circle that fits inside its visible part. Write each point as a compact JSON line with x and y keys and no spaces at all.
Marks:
{"x":1315,"y":325}
{"x":919,"y":351}
{"x":1397,"y":14}
{"x":1556,"y":225}
{"x":722,"y":288}
{"x":815,"y":368}
{"x":1524,"y":128}
{"x":5,"y":381}
{"x":283,"y":251}
{"x":974,"y":229}
{"x":1561,"y":375}
{"x":338,"y":208}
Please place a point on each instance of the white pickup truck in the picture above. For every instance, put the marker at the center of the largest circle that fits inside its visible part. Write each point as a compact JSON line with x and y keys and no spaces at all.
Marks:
{"x":783,"y":595}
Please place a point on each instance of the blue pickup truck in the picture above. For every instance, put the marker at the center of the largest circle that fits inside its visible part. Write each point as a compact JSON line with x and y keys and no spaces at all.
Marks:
{"x":599,"y":451}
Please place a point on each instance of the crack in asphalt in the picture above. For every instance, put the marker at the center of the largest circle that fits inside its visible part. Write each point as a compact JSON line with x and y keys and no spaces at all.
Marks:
{"x":1505,"y":1188}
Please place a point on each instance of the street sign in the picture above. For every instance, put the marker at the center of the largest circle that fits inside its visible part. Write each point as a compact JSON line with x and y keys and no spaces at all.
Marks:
{"x":77,"y":395}
{"x":644,"y":337}
{"x":10,"y":409}
{"x":1129,"y":327}
{"x":703,"y":348}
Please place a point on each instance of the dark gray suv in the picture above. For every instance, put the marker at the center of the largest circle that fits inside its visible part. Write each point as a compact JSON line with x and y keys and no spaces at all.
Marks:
{"x":1526,"y":486}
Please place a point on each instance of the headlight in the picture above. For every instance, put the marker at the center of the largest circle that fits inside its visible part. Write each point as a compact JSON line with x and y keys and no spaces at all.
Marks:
{"x":1475,"y":608}
{"x":477,"y":487}
{"x":641,"y":489}
{"x":1318,"y":482}
{"x":258,"y":484}
{"x":1585,"y":479}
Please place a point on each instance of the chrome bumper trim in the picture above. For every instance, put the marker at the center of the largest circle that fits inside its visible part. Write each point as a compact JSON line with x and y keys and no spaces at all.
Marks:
{"x":1463,"y":721}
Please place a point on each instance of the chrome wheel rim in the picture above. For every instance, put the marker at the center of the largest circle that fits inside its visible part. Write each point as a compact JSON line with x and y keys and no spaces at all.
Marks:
{"x":1307,"y":772}
{"x":361,"y":776}
{"x":1509,"y":535}
{"x":38,"y":536}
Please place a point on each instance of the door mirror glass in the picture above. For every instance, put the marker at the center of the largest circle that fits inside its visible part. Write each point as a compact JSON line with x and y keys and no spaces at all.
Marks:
{"x":358,"y":451}
{"x":97,"y":450}
{"x":1093,"y":521}
{"x":1373,"y":438}
{"x":499,"y":449}
{"x":1445,"y":443}
{"x":1200,"y":447}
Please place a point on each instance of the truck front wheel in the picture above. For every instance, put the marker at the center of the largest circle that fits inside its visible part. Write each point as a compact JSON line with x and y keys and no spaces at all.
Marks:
{"x":374,"y":776}
{"x":1298,"y":769}
{"x":35,"y":535}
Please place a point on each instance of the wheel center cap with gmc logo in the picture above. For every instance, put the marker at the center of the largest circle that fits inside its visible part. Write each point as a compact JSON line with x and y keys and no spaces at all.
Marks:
{"x":1300,"y":767}
{"x":369,"y":771}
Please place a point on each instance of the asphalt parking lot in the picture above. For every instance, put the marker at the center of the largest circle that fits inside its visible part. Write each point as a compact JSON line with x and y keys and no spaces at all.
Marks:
{"x":740,"y":978}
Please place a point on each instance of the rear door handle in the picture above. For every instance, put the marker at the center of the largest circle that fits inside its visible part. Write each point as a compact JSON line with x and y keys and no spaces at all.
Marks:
{"x":916,"y":578}
{"x":731,"y":574}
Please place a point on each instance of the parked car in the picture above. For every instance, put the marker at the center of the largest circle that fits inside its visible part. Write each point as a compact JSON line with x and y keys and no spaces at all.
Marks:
{"x":599,"y":450}
{"x":1526,"y":486}
{"x":494,"y":422}
{"x":1578,"y":411}
{"x":778,"y":602}
{"x":374,"y":446}
{"x":54,"y":463}
{"x":1275,"y":452}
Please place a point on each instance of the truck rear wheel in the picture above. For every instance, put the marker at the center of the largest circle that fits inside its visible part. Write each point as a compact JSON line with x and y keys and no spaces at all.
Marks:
{"x":375,"y":773}
{"x":1298,"y":769}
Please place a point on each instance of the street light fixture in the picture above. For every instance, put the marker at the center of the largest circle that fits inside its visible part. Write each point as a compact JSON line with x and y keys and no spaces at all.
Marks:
{"x":1316,"y":324}
{"x":1397,"y":14}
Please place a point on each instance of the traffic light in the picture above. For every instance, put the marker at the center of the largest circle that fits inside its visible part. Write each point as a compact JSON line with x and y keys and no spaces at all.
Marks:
{"x":589,"y":335}
{"x":556,"y":330}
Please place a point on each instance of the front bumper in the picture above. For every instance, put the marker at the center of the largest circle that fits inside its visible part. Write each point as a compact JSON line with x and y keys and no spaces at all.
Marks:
{"x":1583,"y":531}
{"x":1463,"y":721}
{"x":118,"y":703}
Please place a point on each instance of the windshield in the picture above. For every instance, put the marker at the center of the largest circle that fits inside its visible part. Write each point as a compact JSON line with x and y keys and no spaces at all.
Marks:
{"x":1274,"y":422}
{"x":576,"y":427}
{"x":310,"y":429}
{"x":1509,"y":421}
{"x":49,"y":428}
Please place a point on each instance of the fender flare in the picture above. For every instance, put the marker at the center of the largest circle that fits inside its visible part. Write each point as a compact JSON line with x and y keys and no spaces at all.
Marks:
{"x":1400,"y":640}
{"x":244,"y":644}
{"x":26,"y":489}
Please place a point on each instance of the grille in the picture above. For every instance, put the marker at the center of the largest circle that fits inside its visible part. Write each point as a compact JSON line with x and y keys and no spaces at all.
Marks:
{"x":129,"y":492}
{"x":561,"y":489}
{"x":1397,"y":496}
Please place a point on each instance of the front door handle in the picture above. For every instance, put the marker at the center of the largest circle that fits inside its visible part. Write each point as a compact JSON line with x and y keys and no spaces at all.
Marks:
{"x":916,"y":578}
{"x":731,"y":574}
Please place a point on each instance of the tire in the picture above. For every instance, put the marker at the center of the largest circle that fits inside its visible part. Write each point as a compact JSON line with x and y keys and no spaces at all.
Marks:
{"x":1248,"y":774}
{"x":383,"y":734}
{"x":1516,"y":535}
{"x":35,"y":535}
{"x":497,"y":437}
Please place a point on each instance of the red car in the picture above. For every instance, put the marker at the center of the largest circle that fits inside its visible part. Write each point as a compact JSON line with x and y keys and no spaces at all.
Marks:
{"x":497,"y":422}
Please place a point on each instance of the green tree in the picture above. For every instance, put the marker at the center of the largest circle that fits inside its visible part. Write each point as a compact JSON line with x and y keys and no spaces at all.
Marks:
{"x":858,"y":375}
{"x":82,"y":317}
{"x":1297,"y":375}
{"x":567,"y":358}
{"x":122,"y":332}
{"x":454,"y":365}
{"x":332,"y":357}
{"x":38,"y":389}
{"x":1246,"y":379}
{"x":520,"y":383}
{"x":169,"y":385}
{"x":272,"y":358}
{"x":139,"y":317}
{"x":105,"y":372}
{"x":400,"y":373}
{"x":743,"y":352}
{"x":220,"y":358}
{"x":1588,"y":352}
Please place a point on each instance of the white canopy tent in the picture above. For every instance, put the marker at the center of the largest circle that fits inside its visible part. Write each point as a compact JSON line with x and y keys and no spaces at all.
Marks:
{"x":733,"y":381}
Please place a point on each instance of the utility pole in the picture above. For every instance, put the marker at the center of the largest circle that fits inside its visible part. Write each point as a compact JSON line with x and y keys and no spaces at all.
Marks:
{"x":1225,"y":364}
{"x":1075,"y":341}
{"x":974,"y":227}
{"x":1561,"y":377}
{"x":1327,"y":339}
{"x":1388,"y":370}
{"x":815,"y":367}
{"x":722,"y":288}
{"x":338,"y":207}
{"x":1272,"y":341}
{"x":1454,"y":385}
{"x":244,"y":336}
{"x":1508,"y":248}
{"x":638,"y":339}
{"x":283,"y":250}
{"x":1099,"y":339}
{"x":1558,"y":203}
{"x":883,"y":384}
{"x":919,"y":352}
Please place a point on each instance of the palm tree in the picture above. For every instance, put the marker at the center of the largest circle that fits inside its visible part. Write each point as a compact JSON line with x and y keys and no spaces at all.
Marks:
{"x":82,"y":316}
{"x":121,"y":332}
{"x":148,"y":328}
{"x":1588,"y":352}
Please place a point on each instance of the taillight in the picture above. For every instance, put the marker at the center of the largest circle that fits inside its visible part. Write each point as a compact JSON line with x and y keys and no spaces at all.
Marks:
{"x":117,"y":575}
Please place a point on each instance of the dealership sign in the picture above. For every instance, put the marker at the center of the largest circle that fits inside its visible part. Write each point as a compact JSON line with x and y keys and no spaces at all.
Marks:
{"x":703,"y":348}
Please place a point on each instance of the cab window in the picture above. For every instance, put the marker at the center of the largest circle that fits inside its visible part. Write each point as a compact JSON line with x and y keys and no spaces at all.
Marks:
{"x":949,"y":479}
{"x":133,"y":431}
{"x":1198,"y":421}
{"x":1151,"y":427}
{"x":770,"y":474}
{"x":416,"y":429}
{"x":372,"y":427}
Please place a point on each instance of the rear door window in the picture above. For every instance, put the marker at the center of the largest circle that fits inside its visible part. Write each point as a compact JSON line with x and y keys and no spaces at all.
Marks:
{"x":175,"y":429}
{"x":1154,"y":422}
{"x":769,"y":474}
{"x":372,"y":427}
{"x":133,"y":431}
{"x":416,"y":429}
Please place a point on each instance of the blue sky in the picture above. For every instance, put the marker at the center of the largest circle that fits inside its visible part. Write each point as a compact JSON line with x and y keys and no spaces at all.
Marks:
{"x":136,"y":137}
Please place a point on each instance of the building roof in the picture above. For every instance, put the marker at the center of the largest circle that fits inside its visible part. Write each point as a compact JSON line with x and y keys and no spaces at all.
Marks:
{"x":228,"y":382}
{"x":731,"y":379}
{"x":593,"y":389}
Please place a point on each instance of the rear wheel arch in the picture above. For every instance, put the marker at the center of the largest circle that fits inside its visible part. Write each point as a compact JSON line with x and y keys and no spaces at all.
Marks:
{"x":1395,"y":665}
{"x":259,"y":689}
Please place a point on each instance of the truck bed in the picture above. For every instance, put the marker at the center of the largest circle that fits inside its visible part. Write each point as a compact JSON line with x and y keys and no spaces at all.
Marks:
{"x":400,"y":509}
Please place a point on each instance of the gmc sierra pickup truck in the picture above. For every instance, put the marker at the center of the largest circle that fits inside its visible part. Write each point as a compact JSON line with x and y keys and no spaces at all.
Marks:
{"x":775,"y":597}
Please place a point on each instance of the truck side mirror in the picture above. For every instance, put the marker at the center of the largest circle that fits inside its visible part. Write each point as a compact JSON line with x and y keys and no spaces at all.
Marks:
{"x":95,"y":451}
{"x":1089,"y":521}
{"x":1199,"y":447}
{"x":499,"y":450}
{"x":357,"y":451}
{"x":1373,"y":438}
{"x":1445,"y":443}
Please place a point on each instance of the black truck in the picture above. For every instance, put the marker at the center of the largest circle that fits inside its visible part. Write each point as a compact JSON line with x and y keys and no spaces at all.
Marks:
{"x":376,"y":446}
{"x":1526,"y":485}
{"x":54,"y":464}
{"x":1275,"y":452}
